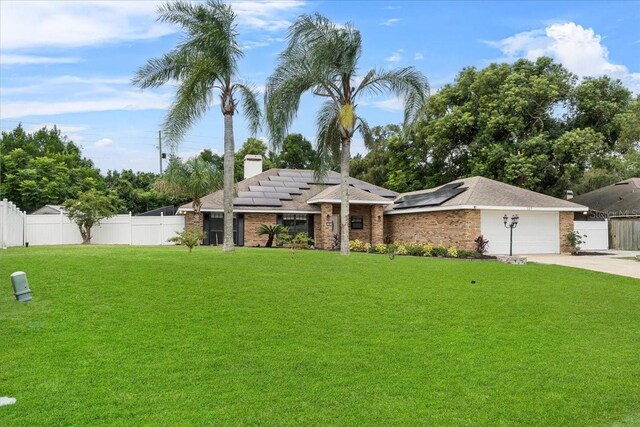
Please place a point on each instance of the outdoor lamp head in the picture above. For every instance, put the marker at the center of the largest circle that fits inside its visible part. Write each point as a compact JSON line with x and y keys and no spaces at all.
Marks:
{"x":505,"y":218}
{"x":514,"y":220}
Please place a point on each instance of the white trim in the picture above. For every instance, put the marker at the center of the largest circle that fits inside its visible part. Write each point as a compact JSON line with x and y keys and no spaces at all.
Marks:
{"x":489,"y":208}
{"x":351,"y":202}
{"x":182,"y":211}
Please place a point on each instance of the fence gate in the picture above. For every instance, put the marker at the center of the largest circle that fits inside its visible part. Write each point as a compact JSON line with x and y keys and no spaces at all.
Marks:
{"x":624,"y":234}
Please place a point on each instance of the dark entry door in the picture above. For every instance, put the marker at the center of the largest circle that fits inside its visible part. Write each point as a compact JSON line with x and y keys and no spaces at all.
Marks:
{"x":214,"y":233}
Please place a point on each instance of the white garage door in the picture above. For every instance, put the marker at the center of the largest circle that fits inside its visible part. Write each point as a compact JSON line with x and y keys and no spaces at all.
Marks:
{"x":536,"y":233}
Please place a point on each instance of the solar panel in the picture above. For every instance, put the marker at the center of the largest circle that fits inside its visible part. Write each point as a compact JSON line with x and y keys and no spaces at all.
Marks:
{"x":264,"y":189}
{"x":289,"y":173}
{"x":280,"y":178}
{"x":243,"y":201}
{"x":271,"y":184}
{"x":433,"y":198}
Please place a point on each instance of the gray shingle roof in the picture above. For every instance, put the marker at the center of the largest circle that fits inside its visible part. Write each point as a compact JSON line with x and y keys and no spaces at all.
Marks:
{"x":287,"y":190}
{"x":333,"y":194}
{"x":487,"y":192}
{"x":619,"y":199}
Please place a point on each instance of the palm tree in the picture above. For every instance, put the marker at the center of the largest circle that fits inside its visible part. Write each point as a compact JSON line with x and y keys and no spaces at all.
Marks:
{"x":192,"y":179}
{"x":271,"y":231}
{"x":321,"y":58}
{"x":205,"y":64}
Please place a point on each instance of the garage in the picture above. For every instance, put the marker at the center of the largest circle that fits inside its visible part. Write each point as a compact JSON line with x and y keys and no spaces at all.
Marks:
{"x":536,"y":232}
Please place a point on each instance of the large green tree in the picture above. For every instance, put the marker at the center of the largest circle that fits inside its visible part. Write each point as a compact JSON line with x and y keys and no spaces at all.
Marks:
{"x":88,"y":209}
{"x":528,"y":123}
{"x":374,"y":166}
{"x":136,"y":192}
{"x":321,"y":58}
{"x":205,"y":65}
{"x":43,"y":167}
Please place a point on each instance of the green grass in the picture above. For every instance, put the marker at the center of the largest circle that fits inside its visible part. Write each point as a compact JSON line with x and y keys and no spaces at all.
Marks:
{"x":155,"y":336}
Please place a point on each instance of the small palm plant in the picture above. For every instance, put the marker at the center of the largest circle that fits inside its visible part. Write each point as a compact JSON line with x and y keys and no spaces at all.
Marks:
{"x":271,"y":231}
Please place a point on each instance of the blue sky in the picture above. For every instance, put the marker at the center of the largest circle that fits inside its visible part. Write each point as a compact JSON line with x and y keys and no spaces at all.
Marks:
{"x":70,"y":63}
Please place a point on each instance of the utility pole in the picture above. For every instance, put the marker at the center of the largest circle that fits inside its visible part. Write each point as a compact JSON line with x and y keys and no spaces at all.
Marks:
{"x":160,"y":149}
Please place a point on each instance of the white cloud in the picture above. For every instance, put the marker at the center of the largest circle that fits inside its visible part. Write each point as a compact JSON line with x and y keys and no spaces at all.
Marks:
{"x":265,"y":15}
{"x":126,"y":100}
{"x":102,"y":143}
{"x":391,"y":104}
{"x":35,"y":24}
{"x":31,"y":59}
{"x":578,"y":48}
{"x":418,"y":56}
{"x":253,"y":44}
{"x":395,"y":56}
{"x":390,"y":22}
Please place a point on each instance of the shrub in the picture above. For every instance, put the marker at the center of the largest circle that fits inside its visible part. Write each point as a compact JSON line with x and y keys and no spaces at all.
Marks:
{"x":415,"y":249}
{"x":481,"y":244}
{"x":356,"y":246}
{"x":298,"y":241}
{"x":401,"y":249}
{"x":575,"y":240}
{"x":366,"y":247}
{"x":427,"y":249}
{"x":452,"y":252}
{"x":439,"y":251}
{"x":271,"y":231}
{"x":468,"y":254}
{"x":189,"y":238}
{"x":381,"y":248}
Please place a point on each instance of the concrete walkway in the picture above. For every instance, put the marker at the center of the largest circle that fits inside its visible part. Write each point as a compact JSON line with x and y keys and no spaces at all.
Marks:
{"x":616,"y":262}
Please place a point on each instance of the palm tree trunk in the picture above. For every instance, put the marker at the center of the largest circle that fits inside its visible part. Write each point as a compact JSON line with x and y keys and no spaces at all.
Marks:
{"x":227,"y":245}
{"x":345,"y":156}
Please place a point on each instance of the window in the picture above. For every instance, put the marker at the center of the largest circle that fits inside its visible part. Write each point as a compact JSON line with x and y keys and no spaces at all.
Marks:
{"x":296,"y":223}
{"x":357,"y":223}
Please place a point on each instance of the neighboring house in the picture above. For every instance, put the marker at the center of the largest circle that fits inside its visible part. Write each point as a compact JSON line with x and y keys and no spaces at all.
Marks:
{"x":48,"y":210}
{"x":620,"y":204}
{"x":454,"y":214}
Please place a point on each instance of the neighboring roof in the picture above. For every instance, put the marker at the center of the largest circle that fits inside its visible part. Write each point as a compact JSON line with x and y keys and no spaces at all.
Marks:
{"x":48,"y":210}
{"x":619,"y":199}
{"x":481,"y":193}
{"x":164,"y":210}
{"x":333,"y":194}
{"x":285,"y":190}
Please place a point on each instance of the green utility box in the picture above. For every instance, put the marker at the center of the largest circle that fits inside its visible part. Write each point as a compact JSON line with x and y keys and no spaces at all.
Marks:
{"x":21,"y":286}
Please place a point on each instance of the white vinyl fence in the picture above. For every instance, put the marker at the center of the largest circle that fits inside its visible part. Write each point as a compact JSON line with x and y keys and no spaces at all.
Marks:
{"x":117,"y":230}
{"x":11,"y":224}
{"x":597,"y":233}
{"x":18,"y":229}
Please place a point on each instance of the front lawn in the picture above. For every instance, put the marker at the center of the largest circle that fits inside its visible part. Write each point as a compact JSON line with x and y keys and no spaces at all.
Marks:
{"x":131,"y":336}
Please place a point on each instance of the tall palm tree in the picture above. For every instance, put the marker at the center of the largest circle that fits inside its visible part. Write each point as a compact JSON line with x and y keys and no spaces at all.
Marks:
{"x":321,"y":58}
{"x":205,"y":64}
{"x":192,"y":179}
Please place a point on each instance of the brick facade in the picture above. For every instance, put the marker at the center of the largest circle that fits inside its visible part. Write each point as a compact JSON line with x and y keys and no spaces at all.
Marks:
{"x":252,"y":222}
{"x":566,"y":226}
{"x":448,"y":228}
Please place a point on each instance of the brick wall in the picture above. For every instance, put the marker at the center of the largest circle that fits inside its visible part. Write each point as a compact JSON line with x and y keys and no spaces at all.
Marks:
{"x":457,"y":228}
{"x":252,"y":222}
{"x":364,"y":211}
{"x":566,"y":226}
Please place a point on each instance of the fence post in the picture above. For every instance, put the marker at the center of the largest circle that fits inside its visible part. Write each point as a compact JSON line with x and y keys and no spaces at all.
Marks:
{"x":60,"y":226}
{"x":5,"y":218}
{"x":130,"y":229}
{"x":161,"y":228}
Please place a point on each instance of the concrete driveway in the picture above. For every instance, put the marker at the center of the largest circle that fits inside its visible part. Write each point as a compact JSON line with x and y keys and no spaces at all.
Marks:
{"x":615,"y":262}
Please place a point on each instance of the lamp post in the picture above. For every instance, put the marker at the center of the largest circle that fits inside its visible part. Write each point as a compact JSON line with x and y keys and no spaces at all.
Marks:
{"x":511,"y":226}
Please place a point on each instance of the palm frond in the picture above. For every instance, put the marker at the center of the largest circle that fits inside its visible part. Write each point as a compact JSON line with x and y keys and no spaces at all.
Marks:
{"x":250,"y":106}
{"x":328,"y":138}
{"x":192,"y":100}
{"x":407,"y":83}
{"x":158,"y":71}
